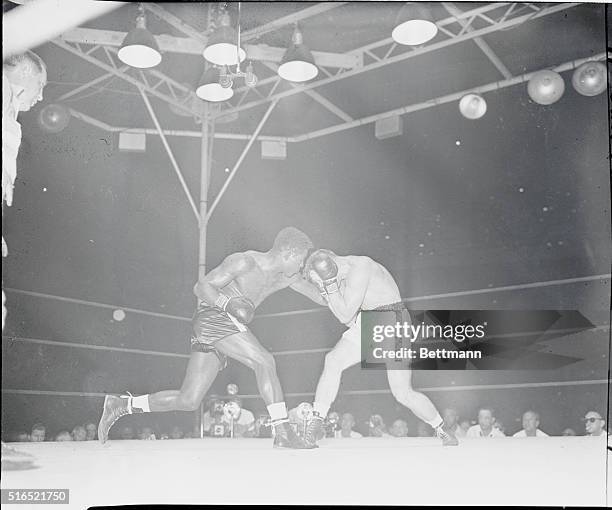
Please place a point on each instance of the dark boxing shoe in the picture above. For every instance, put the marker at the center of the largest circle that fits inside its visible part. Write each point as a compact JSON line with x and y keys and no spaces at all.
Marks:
{"x":114,"y":408}
{"x":285,"y":437}
{"x":314,"y":431}
{"x":448,"y":438}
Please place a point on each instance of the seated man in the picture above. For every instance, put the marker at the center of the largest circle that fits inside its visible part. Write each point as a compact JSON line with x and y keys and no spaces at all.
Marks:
{"x":348,"y":285}
{"x":347,"y":423}
{"x":485,"y":426}
{"x":244,"y":424}
{"x":594,"y":424}
{"x":227,"y":298}
{"x":451,"y":422}
{"x":399,"y":428}
{"x":531,"y":422}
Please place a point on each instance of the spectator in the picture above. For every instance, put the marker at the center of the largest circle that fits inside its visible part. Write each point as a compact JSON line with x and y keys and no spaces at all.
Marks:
{"x":451,"y":422}
{"x":531,"y":422}
{"x":332,"y":424}
{"x":212,"y":419}
{"x":79,"y":433}
{"x":91,"y":432}
{"x":376,"y":426}
{"x":23,"y":437}
{"x":244,"y":425}
{"x":499,"y":426}
{"x":594,"y":424}
{"x":126,"y":432}
{"x":146,"y":433}
{"x":424,"y":430}
{"x":64,"y":435}
{"x":568,"y":432}
{"x":484,"y":427}
{"x":38,"y":434}
{"x":464,"y":425}
{"x":176,"y":432}
{"x":347,"y":423}
{"x":399,"y":428}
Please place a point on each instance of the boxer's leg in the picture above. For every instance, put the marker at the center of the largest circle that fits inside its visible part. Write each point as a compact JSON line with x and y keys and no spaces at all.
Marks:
{"x":400,"y":383}
{"x":201,"y":372}
{"x":345,"y":354}
{"x":245,"y":348}
{"x":202,"y":369}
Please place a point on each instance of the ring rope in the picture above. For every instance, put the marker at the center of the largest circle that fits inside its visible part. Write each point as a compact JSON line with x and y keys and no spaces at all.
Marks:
{"x":316,"y":310}
{"x":477,"y":387}
{"x":79,"y":345}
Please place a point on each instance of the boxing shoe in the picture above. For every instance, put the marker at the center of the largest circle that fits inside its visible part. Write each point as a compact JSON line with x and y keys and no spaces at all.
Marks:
{"x":314,"y":430}
{"x":114,"y":408}
{"x":285,"y":437}
{"x":448,"y":438}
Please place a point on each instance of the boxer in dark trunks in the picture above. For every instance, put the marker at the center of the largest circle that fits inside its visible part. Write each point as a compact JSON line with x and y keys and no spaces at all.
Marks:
{"x":227,"y":298}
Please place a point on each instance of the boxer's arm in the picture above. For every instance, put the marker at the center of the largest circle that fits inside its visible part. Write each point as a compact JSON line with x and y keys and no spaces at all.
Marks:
{"x":207,"y":289}
{"x":309,"y":290}
{"x":346,"y":303}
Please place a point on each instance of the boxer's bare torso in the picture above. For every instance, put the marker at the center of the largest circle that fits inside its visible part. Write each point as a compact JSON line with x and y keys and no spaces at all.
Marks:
{"x":380,"y":287}
{"x":251,"y":274}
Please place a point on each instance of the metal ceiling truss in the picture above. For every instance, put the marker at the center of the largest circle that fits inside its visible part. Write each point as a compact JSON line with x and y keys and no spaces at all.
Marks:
{"x":99,"y":47}
{"x":380,"y":53}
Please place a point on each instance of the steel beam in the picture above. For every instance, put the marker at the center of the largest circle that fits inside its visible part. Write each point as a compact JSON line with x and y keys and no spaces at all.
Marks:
{"x":508,"y":23}
{"x":190,"y":46}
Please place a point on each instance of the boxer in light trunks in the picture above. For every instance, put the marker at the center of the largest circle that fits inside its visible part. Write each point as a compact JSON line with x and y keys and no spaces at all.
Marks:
{"x":347,"y":285}
{"x":227,"y":298}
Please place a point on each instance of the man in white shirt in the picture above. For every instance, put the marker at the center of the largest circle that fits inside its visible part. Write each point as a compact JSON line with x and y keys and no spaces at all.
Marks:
{"x":451,"y":422}
{"x":485,"y":427}
{"x":347,"y":423}
{"x":531,"y":422}
{"x":594,"y":424}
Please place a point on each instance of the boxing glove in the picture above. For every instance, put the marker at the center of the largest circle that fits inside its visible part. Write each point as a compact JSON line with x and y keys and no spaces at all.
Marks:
{"x":242,"y":308}
{"x":327,"y":270}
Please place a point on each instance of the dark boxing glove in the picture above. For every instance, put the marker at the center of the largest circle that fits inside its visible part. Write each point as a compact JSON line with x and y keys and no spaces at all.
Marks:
{"x":327,"y":270}
{"x":242,"y":308}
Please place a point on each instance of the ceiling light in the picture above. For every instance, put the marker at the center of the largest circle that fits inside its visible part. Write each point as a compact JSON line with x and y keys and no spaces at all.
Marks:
{"x":209,"y":88}
{"x":221,"y":46}
{"x":298,"y":64}
{"x":590,"y":78}
{"x":139,"y":48}
{"x":414,"y":25}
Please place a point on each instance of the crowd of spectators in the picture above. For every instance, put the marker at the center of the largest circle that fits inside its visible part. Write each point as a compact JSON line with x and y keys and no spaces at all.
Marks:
{"x":217,"y":422}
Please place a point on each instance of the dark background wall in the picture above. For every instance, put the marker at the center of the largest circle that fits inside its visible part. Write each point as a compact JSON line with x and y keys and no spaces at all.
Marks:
{"x":92,"y":223}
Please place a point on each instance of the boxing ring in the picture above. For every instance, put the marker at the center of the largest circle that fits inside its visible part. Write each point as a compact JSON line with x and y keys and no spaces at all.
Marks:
{"x":551,"y":471}
{"x":367,"y":471}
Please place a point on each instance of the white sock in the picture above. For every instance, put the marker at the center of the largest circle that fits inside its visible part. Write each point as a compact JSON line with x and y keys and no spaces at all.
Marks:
{"x":141,"y":402}
{"x":321,"y":409}
{"x":278,"y":411}
{"x":436,"y":422}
